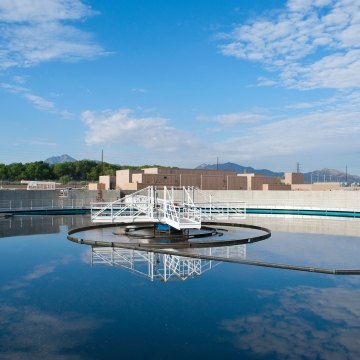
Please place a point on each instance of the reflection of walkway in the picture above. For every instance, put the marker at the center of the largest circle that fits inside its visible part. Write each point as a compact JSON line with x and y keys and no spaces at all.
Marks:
{"x":163,"y":267}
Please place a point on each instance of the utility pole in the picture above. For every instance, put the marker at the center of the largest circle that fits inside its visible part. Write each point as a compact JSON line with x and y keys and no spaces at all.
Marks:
{"x":346,"y":174}
{"x":102,"y":162}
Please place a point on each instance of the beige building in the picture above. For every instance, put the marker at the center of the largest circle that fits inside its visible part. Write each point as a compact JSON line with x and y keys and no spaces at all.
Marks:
{"x":294,"y":178}
{"x":277,"y":187}
{"x":108,"y":182}
{"x":256,"y":182}
{"x":296,"y":181}
{"x":136,"y":179}
{"x":203,"y":179}
{"x":96,"y":186}
{"x":319,"y":186}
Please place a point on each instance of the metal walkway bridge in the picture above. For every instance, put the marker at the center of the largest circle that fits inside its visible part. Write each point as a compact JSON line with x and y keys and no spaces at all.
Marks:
{"x":174,"y":207}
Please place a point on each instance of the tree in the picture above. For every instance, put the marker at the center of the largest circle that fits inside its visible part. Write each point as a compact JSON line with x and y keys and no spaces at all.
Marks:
{"x":39,"y":170}
{"x":64,"y":169}
{"x":16,"y":172}
{"x":3,"y":172}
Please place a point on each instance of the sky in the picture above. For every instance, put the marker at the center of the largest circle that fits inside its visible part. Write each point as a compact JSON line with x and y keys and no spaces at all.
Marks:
{"x":267,"y":84}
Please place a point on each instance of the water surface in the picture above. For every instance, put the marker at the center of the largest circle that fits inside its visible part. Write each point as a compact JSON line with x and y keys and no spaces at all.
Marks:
{"x":55,"y":305}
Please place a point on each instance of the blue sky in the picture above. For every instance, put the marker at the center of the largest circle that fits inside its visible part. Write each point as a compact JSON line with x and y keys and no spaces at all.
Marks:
{"x":180,"y":83}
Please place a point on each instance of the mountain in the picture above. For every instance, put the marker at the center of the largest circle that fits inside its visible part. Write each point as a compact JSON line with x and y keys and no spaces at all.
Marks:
{"x":240,"y":169}
{"x":330,"y":175}
{"x":59,"y":159}
{"x":323,"y":175}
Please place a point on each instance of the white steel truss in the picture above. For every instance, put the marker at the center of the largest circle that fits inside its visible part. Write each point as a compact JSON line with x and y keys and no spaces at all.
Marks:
{"x":163,"y":267}
{"x":213,"y":209}
{"x":166,"y":206}
{"x":139,"y":206}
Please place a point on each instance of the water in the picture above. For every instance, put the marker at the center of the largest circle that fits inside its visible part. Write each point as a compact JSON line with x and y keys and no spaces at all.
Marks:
{"x":55,"y":305}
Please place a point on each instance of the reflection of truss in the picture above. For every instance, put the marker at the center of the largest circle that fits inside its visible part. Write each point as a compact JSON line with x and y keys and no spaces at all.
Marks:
{"x":163,"y":267}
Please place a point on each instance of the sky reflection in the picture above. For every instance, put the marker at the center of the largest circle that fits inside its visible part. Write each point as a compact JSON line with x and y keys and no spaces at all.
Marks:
{"x":301,"y":322}
{"x":30,"y":333}
{"x":55,"y":305}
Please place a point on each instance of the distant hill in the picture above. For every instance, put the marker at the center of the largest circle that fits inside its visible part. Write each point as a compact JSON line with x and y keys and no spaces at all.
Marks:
{"x":323,"y":175}
{"x":59,"y":159}
{"x":240,"y":169}
{"x":330,"y":175}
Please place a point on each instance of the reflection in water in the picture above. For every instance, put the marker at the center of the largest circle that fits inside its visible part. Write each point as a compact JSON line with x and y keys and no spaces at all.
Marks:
{"x":301,"y":322}
{"x":54,"y":306}
{"x":31,"y":333}
{"x":300,"y":252}
{"x":164,"y":266}
{"x":38,"y":224}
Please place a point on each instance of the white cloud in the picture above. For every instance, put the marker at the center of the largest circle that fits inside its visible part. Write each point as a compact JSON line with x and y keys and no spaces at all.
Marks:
{"x":35,"y":32}
{"x":37,"y":101}
{"x":232,"y":119}
{"x":330,"y":133}
{"x":125,"y":127}
{"x":42,"y":10}
{"x":345,"y":67}
{"x":312,"y":44}
{"x":20,"y":79}
{"x":139,"y":90}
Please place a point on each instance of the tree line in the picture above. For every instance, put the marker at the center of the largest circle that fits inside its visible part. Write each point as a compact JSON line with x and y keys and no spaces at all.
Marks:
{"x":83,"y":170}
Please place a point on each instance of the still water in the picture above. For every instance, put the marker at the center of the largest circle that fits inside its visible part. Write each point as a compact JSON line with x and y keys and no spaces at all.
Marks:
{"x":56,"y":302}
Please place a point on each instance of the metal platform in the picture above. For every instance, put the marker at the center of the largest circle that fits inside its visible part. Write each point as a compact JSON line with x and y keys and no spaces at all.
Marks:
{"x":155,"y":205}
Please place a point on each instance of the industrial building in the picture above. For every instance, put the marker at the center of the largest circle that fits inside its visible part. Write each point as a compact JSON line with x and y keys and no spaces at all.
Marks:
{"x":200,"y":178}
{"x":137,"y":179}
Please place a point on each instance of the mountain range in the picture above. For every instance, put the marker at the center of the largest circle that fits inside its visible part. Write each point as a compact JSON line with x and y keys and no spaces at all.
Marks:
{"x":240,"y":169}
{"x":322,"y":175}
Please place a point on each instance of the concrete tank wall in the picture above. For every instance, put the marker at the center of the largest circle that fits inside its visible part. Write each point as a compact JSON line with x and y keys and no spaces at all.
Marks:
{"x":46,"y":196}
{"x":329,"y":200}
{"x":339,"y":199}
